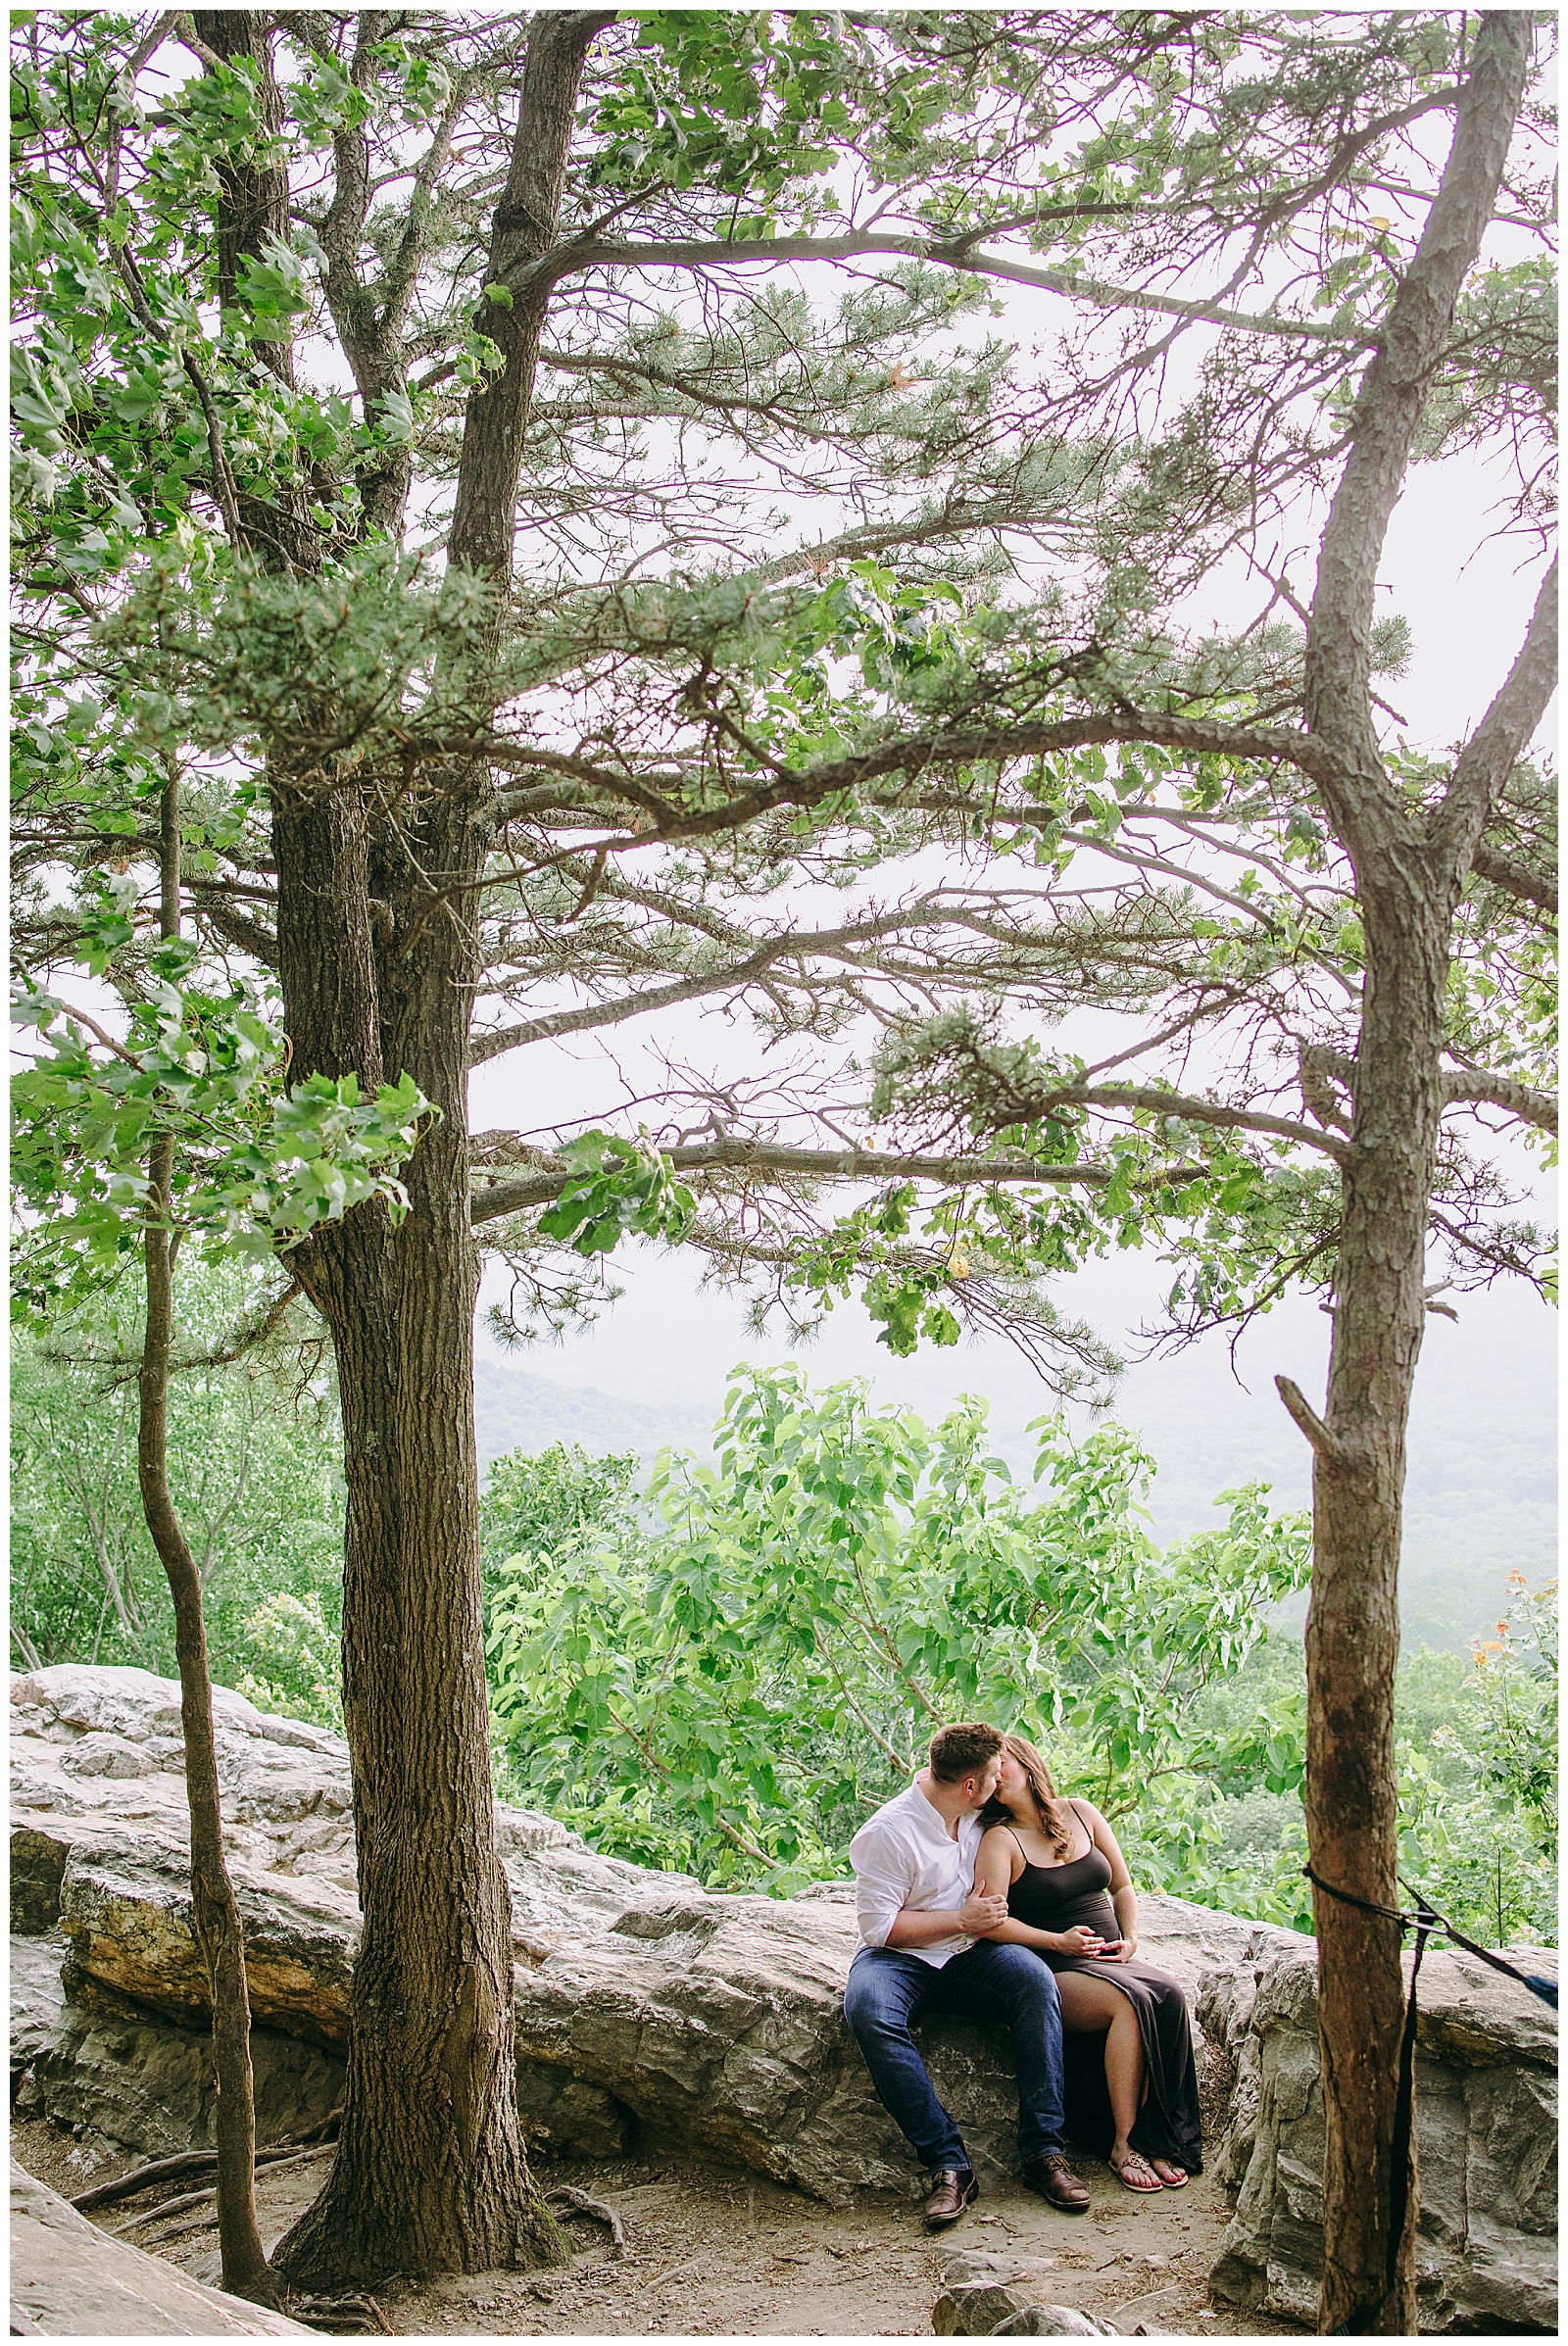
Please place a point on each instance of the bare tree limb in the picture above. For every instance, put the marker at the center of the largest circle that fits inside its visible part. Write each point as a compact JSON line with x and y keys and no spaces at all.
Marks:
{"x":1387,"y":418}
{"x":916,"y":752}
{"x":1493,"y":750}
{"x":539,"y":1186}
{"x":577,"y":254}
{"x":1515,"y":879}
{"x":1197,"y":1111}
{"x":1310,"y":1424}
{"x":928,"y":911}
{"x":1476,"y":1087}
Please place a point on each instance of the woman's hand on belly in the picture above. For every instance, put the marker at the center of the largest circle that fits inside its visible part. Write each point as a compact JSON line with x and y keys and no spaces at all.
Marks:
{"x":1116,"y":1950}
{"x":1079,"y":1941}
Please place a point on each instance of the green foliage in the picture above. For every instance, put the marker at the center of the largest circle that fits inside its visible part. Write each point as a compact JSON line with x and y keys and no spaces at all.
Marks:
{"x":294,"y":1659}
{"x":255,"y":1465}
{"x":1479,"y":1789}
{"x":726,"y":1683}
{"x":1477,"y":1756}
{"x":904,"y":1295}
{"x":733,"y":1686}
{"x":623,"y":1190}
{"x":723,"y":101}
{"x":552,"y":1505}
{"x":256,"y":1166}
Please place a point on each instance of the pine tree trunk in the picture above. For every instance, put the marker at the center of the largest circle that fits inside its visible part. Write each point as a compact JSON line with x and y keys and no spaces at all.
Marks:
{"x":378,"y":962}
{"x":1409,"y":868}
{"x":220,"y":1932}
{"x":1353,"y":1634}
{"x":430,"y":2175}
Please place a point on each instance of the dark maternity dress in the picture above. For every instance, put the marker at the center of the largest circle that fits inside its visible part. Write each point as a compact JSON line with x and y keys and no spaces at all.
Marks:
{"x":1058,"y":1898}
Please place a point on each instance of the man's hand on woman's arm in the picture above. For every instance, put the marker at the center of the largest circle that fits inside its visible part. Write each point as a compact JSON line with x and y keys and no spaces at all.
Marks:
{"x":922,"y":1927}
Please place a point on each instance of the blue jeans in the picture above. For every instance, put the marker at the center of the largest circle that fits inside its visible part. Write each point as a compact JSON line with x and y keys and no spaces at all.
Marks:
{"x":889,"y":1990}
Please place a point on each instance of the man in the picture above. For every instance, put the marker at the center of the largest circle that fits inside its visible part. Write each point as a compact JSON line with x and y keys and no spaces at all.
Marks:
{"x":924,"y":1949}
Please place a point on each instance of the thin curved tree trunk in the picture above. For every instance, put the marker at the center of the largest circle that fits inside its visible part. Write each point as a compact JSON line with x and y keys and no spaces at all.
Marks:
{"x":219,"y":1931}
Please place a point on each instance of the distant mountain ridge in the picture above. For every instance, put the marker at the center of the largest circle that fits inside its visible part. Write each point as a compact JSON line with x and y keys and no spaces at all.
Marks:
{"x":1480,"y":1503}
{"x":517,"y":1410}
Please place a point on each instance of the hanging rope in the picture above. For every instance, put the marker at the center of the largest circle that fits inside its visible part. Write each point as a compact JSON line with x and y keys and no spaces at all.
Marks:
{"x":1427,"y":1918}
{"x":1424,"y":1922}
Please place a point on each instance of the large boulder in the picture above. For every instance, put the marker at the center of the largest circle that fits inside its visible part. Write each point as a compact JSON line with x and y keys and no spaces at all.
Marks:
{"x":1486,"y":2080}
{"x":719,"y":2019}
{"x":640,"y":1998}
{"x":71,"y":2280}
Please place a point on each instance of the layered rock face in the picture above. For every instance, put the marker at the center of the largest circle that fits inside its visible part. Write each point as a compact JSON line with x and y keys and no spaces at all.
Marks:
{"x":649,"y":2010}
{"x":1485,"y":2085}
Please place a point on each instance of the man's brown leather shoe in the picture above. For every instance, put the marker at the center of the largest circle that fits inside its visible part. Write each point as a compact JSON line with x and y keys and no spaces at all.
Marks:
{"x":952,"y":2190}
{"x":1052,"y":2177}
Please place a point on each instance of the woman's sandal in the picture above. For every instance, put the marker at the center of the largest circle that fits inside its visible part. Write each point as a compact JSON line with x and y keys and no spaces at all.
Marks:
{"x":1136,"y":2160}
{"x":1173,"y":2182}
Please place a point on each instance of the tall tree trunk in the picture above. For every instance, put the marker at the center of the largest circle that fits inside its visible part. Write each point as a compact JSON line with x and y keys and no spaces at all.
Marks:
{"x":378,"y":964}
{"x":1352,"y":1635}
{"x":430,"y":2173}
{"x":220,"y":1932}
{"x":253,"y":208}
{"x":1409,"y":870}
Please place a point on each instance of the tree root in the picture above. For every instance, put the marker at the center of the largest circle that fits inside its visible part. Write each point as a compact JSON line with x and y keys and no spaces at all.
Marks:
{"x":157,"y":2171}
{"x":567,"y":2196}
{"x":196,"y":2199}
{"x":165,"y":2170}
{"x":348,"y":2316}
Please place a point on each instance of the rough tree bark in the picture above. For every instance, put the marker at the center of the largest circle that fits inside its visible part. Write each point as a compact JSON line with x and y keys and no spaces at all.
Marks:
{"x":220,"y":1932}
{"x":1411,"y":872}
{"x":254,"y":209}
{"x":379,"y":972}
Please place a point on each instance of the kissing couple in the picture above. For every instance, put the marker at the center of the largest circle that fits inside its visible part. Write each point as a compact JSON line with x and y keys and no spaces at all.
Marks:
{"x":982,"y":1893}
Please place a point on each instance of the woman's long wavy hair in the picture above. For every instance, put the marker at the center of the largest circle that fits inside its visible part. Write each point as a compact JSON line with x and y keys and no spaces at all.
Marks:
{"x":1054,"y":1824}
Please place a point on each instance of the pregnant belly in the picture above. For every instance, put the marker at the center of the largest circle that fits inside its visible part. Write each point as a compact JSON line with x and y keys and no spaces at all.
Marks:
{"x":1091,"y":1908}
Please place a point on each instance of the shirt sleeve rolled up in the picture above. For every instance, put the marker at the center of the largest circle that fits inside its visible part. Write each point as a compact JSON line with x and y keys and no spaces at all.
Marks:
{"x":880,"y":1891}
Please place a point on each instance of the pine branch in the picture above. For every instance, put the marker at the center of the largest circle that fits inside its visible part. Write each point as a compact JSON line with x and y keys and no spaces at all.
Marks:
{"x":578,"y":255}
{"x":539,"y":1186}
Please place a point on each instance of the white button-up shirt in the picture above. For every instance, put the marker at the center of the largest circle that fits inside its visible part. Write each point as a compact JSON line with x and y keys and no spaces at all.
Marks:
{"x":904,"y":1856}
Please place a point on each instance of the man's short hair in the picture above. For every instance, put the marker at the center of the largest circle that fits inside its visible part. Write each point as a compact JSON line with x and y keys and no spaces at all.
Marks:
{"x":960,"y":1751}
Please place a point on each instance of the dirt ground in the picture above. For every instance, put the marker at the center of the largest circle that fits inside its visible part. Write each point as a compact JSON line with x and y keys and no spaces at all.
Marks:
{"x":715,"y":2252}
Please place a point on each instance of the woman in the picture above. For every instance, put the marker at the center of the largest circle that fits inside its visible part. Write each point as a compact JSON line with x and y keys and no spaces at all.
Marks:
{"x":1055,"y":1861}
